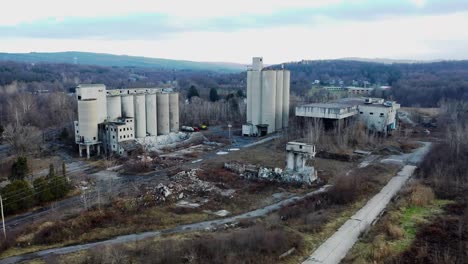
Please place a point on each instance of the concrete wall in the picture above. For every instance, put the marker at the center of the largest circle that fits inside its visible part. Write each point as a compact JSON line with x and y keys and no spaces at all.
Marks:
{"x":376,"y":116}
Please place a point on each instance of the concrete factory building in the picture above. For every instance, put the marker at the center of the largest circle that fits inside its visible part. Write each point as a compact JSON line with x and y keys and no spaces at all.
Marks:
{"x":112,"y":119}
{"x":377,"y":114}
{"x":267,"y":100}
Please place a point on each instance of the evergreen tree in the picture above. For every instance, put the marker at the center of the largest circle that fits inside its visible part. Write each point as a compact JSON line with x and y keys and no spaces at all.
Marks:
{"x":51,"y":171}
{"x":17,"y":196}
{"x":192,"y":92}
{"x":64,"y":169}
{"x":42,"y":190}
{"x":19,"y":169}
{"x":240,"y":93}
{"x":58,"y":186}
{"x":214,"y":95}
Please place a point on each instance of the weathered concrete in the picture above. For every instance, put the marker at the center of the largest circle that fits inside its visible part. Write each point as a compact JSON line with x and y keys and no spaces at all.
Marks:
{"x":335,"y":248}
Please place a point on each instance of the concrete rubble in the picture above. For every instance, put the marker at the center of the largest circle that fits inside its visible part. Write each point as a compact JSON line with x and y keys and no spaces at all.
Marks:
{"x":252,"y":172}
{"x":182,"y":186}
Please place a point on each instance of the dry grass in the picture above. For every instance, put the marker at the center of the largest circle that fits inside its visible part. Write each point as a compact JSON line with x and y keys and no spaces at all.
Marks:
{"x":420,"y":195}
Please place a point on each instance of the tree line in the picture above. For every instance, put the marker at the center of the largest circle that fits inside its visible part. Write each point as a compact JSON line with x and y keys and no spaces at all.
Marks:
{"x":21,"y":194}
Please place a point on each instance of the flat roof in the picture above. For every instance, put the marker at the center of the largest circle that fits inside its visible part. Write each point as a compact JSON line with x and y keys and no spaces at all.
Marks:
{"x":347,"y":102}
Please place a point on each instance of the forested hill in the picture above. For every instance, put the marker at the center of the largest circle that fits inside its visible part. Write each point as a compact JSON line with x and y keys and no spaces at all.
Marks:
{"x":100,"y":59}
{"x":423,"y":84}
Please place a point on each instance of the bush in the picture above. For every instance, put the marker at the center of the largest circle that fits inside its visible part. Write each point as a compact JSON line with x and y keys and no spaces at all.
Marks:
{"x":17,"y":196}
{"x":394,"y":231}
{"x":19,"y":169}
{"x":420,"y":195}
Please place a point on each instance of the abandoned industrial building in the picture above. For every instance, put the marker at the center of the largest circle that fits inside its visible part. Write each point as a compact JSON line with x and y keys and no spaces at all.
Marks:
{"x":378,"y":115}
{"x":267,"y":100}
{"x":112,"y":119}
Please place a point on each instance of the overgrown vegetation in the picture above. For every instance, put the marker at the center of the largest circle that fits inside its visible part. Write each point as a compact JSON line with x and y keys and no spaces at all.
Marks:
{"x":20,"y":195}
{"x":254,"y":244}
{"x":430,"y":223}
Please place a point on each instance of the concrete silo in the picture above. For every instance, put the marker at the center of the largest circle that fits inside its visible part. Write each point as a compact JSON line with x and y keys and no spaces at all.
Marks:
{"x":286,"y":82}
{"x":249,"y":96}
{"x":88,"y":120}
{"x":268,"y":99}
{"x":127,"y":106}
{"x":140,"y":115}
{"x":174,"y":112}
{"x":256,"y":97}
{"x":163,"y":113}
{"x":151,"y":112}
{"x":94,"y":91}
{"x":279,"y":101}
{"x":114,"y":108}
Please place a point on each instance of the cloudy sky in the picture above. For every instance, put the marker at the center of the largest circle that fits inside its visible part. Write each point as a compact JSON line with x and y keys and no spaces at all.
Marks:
{"x":236,"y":30}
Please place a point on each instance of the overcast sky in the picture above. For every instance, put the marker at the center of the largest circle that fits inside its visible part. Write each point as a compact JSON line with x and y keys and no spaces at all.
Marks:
{"x":236,"y":30}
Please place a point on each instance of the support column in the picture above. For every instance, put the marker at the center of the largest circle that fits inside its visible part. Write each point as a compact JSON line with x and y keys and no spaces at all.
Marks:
{"x":79,"y":151}
{"x":290,"y":161}
{"x":299,"y":162}
{"x":98,"y":150}
{"x":87,"y":151}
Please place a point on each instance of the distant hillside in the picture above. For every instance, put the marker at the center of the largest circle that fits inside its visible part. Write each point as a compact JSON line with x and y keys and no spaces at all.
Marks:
{"x":387,"y":61}
{"x":101,"y":59}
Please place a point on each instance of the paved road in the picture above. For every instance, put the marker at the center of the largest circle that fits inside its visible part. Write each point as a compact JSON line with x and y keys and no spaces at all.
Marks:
{"x":206,"y":225}
{"x":335,"y":248}
{"x":412,"y":158}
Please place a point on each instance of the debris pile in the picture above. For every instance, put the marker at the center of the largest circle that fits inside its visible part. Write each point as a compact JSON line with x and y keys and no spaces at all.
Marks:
{"x":183,"y":185}
{"x":252,"y":172}
{"x":172,"y":140}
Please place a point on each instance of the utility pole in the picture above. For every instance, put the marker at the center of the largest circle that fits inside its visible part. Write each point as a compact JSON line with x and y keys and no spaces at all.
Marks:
{"x":3,"y":217}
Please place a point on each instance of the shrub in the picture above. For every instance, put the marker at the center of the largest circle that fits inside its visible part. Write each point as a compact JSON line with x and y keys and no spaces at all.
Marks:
{"x":17,"y":196}
{"x":19,"y":169}
{"x":394,"y":231}
{"x":420,"y":195}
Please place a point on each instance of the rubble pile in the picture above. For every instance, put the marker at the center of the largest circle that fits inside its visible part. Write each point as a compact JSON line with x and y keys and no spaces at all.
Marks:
{"x":253,"y":172}
{"x":183,"y":185}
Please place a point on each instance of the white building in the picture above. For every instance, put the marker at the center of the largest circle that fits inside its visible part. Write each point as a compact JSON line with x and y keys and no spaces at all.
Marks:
{"x":267,"y":100}
{"x":112,"y":119}
{"x":375,"y":113}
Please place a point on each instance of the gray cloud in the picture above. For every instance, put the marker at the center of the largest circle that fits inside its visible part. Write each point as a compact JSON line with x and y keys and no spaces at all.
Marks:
{"x":156,"y":26}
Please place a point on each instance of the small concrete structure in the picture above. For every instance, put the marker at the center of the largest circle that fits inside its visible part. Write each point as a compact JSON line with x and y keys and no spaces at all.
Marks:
{"x":296,"y":170}
{"x":296,"y":156}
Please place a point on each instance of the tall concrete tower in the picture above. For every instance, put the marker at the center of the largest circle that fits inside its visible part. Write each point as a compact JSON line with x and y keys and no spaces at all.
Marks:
{"x":267,"y":99}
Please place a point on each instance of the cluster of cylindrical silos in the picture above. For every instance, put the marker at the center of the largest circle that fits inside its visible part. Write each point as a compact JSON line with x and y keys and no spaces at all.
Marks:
{"x":268,"y":97}
{"x":153,"y":113}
